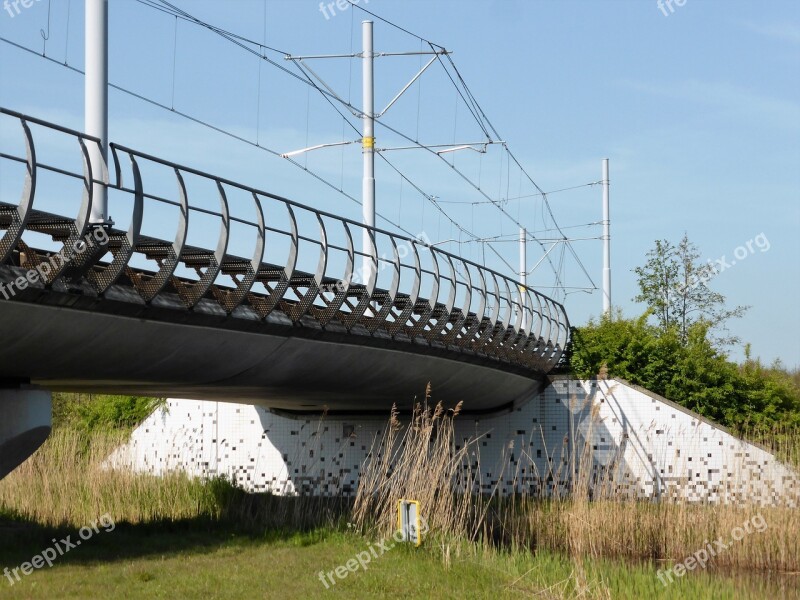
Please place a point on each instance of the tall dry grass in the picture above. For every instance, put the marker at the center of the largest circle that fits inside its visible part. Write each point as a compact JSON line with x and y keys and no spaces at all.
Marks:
{"x":585,"y":518}
{"x":67,"y":483}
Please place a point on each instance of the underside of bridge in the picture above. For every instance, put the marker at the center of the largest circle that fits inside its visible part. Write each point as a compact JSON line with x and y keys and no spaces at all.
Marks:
{"x":76,"y":342}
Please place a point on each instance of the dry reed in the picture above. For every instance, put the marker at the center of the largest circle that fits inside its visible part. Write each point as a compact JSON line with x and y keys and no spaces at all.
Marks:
{"x":580,"y":513}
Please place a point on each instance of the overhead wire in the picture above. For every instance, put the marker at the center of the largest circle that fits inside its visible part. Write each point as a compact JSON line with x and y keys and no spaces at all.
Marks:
{"x":463,"y":91}
{"x":241,"y":41}
{"x":208,"y":125}
{"x":472,"y":104}
{"x":427,"y":196}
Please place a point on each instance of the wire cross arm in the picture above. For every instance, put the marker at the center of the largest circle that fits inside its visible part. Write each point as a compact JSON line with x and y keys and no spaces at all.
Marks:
{"x":447,"y":148}
{"x":317,"y":147}
{"x":436,"y":54}
{"x":374,"y":54}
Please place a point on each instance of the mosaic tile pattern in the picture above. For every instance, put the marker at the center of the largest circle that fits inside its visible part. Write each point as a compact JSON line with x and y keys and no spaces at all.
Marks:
{"x":607,"y":436}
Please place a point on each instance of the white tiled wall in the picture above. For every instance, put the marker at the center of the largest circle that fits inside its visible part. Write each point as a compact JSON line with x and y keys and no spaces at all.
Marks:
{"x":621,"y":438}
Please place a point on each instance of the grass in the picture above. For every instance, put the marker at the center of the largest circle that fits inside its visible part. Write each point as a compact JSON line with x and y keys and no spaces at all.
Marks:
{"x":177,"y":537}
{"x":72,"y":486}
{"x":189,"y":560}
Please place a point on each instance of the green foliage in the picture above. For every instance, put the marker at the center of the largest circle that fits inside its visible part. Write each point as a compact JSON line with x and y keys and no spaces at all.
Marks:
{"x":672,"y":283}
{"x":693,"y":373}
{"x":772,"y":394}
{"x":678,"y":358}
{"x":632,"y":347}
{"x":91,"y":411}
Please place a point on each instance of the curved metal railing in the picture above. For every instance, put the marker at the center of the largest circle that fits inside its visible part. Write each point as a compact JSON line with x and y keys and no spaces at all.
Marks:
{"x":404,"y":287}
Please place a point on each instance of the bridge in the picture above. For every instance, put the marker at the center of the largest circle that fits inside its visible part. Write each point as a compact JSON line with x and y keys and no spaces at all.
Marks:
{"x":205,"y":288}
{"x":294,"y":324}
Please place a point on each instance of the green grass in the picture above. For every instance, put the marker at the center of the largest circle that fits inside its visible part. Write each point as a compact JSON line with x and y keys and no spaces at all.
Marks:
{"x":199,"y":559}
{"x":178,"y":537}
{"x":89,"y":412}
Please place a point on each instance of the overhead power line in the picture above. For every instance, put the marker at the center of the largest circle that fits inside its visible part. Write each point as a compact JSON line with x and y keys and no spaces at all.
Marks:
{"x":465,"y":94}
{"x":208,"y":125}
{"x":261,"y":49}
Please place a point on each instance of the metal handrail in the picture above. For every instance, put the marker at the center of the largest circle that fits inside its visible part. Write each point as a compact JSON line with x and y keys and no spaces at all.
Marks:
{"x":526,"y":328}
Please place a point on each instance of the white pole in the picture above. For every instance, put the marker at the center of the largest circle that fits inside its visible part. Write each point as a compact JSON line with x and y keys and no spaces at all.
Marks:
{"x":368,"y":146}
{"x":606,"y":243}
{"x":96,"y":100}
{"x":523,"y":274}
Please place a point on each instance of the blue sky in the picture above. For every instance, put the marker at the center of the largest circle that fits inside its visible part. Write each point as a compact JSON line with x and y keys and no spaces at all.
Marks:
{"x":698,"y":111}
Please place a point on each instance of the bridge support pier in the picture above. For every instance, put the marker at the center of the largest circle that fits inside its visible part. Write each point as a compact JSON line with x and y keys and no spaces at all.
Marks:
{"x":25,"y":420}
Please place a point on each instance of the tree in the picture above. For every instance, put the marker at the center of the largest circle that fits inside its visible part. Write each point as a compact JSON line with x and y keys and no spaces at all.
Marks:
{"x":673,"y":285}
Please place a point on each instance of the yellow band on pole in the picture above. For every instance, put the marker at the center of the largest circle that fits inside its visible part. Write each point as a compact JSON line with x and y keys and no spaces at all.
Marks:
{"x":369,"y":142}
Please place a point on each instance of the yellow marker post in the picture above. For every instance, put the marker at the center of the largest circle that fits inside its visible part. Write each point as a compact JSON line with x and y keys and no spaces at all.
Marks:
{"x":409,"y":523}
